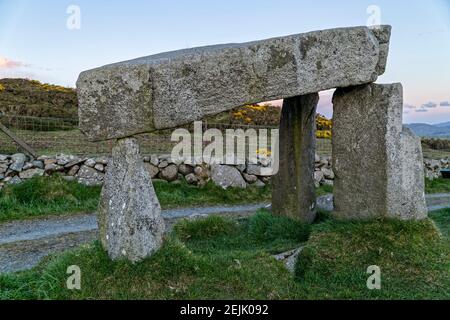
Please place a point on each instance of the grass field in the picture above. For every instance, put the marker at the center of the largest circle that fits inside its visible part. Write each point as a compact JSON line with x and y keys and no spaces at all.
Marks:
{"x":45,"y":196}
{"x":55,"y":196}
{"x":220,"y":258}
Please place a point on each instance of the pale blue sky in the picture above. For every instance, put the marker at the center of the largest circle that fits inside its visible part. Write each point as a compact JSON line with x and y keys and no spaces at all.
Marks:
{"x":35,"y":42}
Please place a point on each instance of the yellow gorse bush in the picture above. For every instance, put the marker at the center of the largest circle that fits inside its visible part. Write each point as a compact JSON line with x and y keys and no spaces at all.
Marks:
{"x":1,"y":87}
{"x":50,"y":87}
{"x":323,"y":134}
{"x":264,"y":152}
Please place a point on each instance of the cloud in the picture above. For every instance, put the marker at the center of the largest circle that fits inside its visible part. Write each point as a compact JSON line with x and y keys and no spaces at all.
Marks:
{"x":6,"y":63}
{"x":409,"y":106}
{"x":422,"y":109}
{"x":445,"y":104}
{"x":429,"y":105}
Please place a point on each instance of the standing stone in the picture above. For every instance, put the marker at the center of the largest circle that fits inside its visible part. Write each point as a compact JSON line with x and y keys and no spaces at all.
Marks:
{"x":407,"y":195}
{"x":378,"y":166}
{"x":293,"y":187}
{"x":130,"y":219}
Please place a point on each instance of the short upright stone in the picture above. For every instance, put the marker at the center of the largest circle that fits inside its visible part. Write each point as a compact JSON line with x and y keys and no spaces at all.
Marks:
{"x":131,"y":226}
{"x":378,"y":164}
{"x":293,"y":192}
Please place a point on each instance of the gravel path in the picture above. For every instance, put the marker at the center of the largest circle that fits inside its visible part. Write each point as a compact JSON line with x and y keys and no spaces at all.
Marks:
{"x":23,"y":244}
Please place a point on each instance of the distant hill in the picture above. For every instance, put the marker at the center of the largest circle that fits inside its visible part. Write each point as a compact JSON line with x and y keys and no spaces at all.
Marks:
{"x":33,"y":98}
{"x":441,"y":130}
{"x":25,"y":97}
{"x":443,"y":125}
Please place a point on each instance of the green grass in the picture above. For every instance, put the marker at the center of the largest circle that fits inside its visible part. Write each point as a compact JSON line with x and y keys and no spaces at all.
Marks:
{"x":218,"y":258}
{"x":442,"y":220}
{"x":413,"y":257}
{"x":44,"y":196}
{"x":437,"y":186}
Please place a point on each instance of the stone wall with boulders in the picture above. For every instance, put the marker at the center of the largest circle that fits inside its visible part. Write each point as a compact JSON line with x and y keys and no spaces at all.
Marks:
{"x":433,"y":168}
{"x":90,"y":171}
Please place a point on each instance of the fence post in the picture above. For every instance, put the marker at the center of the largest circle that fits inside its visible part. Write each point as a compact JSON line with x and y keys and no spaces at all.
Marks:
{"x":18,"y":141}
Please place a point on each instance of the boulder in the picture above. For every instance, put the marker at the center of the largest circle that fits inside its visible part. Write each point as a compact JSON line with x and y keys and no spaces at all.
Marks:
{"x":191,"y":178}
{"x":89,"y":176}
{"x":227,"y":177}
{"x":185,"y":169}
{"x":257,"y":170}
{"x":318,"y":176}
{"x":13,"y":180}
{"x":18,"y":161}
{"x":327,"y":173}
{"x":169,"y":173}
{"x":52,"y":167}
{"x":250,"y":178}
{"x":73,"y":170}
{"x":99,"y":167}
{"x":28,"y":174}
{"x":154,"y":160}
{"x":38,"y":164}
{"x":152,"y":170}
{"x":90,"y":163}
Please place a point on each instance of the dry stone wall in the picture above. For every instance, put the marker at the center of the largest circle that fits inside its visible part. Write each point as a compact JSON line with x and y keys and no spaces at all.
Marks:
{"x":91,"y":171}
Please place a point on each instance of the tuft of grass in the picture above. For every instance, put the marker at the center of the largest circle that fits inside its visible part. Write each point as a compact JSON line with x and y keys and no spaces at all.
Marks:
{"x":184,"y":195}
{"x":205,"y":229}
{"x":266,"y":227}
{"x":414,"y":260}
{"x":442,"y":220}
{"x":46,"y":196}
{"x":324,"y":190}
{"x":437,"y":186}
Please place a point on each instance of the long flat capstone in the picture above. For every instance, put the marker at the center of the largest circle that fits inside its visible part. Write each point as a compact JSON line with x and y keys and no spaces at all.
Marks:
{"x":171,"y":89}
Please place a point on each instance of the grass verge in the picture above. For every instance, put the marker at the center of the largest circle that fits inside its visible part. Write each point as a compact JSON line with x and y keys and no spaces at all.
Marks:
{"x":217,"y":258}
{"x":437,"y":186}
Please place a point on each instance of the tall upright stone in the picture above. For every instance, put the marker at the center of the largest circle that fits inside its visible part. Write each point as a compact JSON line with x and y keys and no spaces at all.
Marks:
{"x":129,"y":215}
{"x":293,"y":192}
{"x":378,"y":164}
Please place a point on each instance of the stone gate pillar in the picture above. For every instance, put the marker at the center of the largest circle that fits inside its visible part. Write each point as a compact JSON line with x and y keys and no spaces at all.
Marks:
{"x":378,"y":165}
{"x":129,"y":214}
{"x":293,"y":192}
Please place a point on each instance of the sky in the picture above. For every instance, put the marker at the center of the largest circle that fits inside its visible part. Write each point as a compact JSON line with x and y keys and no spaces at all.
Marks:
{"x":54,"y":40}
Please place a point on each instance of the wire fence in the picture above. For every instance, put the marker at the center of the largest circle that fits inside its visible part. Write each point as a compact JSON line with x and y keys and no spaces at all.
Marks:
{"x":50,"y":136}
